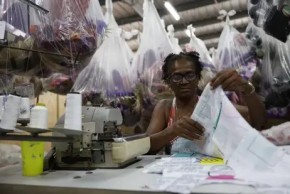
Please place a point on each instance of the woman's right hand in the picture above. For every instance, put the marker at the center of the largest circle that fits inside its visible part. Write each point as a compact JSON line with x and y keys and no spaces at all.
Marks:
{"x":187,"y":128}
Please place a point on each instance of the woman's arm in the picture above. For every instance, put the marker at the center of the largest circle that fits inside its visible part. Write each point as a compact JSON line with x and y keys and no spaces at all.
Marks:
{"x":159,"y":134}
{"x":257,"y":111}
{"x":230,"y":80}
{"x":244,"y":111}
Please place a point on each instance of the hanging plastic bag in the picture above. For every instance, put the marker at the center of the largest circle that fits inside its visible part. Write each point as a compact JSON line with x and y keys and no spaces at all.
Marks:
{"x":272,"y":16}
{"x":155,"y":44}
{"x":234,"y":50}
{"x":174,"y":41}
{"x":15,"y":19}
{"x":154,"y":47}
{"x":16,"y":43}
{"x":213,"y":53}
{"x":71,"y":26}
{"x":274,"y":73}
{"x":107,"y":73}
{"x":21,"y":30}
{"x":275,"y":67}
{"x":6,"y":83}
{"x":147,"y":64}
{"x":74,"y":29}
{"x":16,"y":14}
{"x":198,"y":45}
{"x":127,"y":36}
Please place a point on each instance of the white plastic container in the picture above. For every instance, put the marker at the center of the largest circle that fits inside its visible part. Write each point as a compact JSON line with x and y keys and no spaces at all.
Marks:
{"x":39,"y":117}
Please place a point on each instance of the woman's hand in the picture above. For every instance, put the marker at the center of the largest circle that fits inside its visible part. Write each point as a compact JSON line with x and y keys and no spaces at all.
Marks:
{"x":187,"y":128}
{"x":230,"y":80}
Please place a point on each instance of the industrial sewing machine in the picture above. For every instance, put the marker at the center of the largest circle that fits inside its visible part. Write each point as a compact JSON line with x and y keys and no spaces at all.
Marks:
{"x":100,"y":143}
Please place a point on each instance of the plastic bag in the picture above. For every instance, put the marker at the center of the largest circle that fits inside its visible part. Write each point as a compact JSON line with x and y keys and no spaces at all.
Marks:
{"x":235,"y":51}
{"x":155,"y":44}
{"x":74,"y":29}
{"x":147,"y":65}
{"x":9,"y":154}
{"x":174,"y":41}
{"x":15,"y":19}
{"x":72,"y":26}
{"x":6,"y":83}
{"x":125,"y":36}
{"x":274,"y":71}
{"x":213,"y":53}
{"x":196,"y":44}
{"x":21,"y":31}
{"x":15,"y":16}
{"x":107,"y":72}
{"x":272,"y":16}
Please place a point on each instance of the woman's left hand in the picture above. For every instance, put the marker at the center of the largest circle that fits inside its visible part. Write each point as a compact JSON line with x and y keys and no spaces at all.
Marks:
{"x":230,"y":80}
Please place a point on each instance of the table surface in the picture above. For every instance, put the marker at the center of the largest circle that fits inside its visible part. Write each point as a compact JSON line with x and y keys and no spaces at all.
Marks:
{"x":127,"y":180}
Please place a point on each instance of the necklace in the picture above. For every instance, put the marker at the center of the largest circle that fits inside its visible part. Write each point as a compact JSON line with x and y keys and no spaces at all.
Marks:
{"x":179,"y":113}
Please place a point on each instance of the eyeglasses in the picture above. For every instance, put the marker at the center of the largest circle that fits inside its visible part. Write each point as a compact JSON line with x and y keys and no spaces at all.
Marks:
{"x":178,"y":77}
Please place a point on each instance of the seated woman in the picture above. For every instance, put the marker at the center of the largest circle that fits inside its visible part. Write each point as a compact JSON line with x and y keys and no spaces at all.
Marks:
{"x":171,"y":117}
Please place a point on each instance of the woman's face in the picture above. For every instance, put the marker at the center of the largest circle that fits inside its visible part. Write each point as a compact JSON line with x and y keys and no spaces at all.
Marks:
{"x":183,"y":78}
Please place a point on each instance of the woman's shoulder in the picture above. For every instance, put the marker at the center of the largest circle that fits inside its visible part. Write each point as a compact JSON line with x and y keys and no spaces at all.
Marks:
{"x":165,"y":102}
{"x":164,"y":105}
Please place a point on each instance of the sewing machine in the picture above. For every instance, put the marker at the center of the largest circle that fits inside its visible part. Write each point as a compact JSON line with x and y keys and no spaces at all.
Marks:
{"x":100,"y":143}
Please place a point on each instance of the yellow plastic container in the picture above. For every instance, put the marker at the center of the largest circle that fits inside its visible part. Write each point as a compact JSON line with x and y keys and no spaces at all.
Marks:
{"x":32,"y":158}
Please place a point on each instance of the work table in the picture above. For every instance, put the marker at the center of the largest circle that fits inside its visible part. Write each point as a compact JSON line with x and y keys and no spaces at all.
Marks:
{"x":107,"y":181}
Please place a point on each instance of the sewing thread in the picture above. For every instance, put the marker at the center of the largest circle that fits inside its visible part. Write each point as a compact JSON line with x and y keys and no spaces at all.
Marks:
{"x":39,"y":116}
{"x":1,"y":106}
{"x":73,"y":111}
{"x":24,"y":112}
{"x":11,"y":112}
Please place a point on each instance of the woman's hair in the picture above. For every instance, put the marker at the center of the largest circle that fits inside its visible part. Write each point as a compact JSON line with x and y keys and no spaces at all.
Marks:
{"x":171,"y":58}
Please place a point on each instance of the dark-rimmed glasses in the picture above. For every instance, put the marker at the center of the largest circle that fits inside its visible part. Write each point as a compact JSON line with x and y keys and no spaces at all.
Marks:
{"x":178,"y":77}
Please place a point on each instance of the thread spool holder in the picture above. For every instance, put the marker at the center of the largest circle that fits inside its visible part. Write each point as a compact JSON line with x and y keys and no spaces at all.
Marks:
{"x":32,"y":130}
{"x":33,"y":136}
{"x":68,"y":132}
{"x":23,"y":122}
